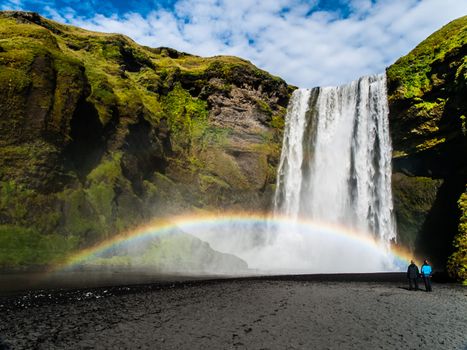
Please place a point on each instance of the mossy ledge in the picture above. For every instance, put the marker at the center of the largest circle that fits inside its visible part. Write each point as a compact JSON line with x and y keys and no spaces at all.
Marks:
{"x":100,"y":134}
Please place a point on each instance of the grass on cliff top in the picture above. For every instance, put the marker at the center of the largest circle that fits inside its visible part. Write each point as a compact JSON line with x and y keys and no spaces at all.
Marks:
{"x":108,"y":46}
{"x":123,"y":75}
{"x":412,"y":70}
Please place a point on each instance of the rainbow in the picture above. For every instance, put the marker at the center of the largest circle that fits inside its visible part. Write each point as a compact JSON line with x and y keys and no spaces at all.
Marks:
{"x":170,"y":225}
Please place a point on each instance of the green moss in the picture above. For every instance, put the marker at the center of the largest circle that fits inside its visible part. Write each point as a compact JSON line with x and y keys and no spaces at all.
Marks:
{"x":108,"y":171}
{"x":69,"y":87}
{"x":21,"y":246}
{"x":264,"y":107}
{"x":412,"y":72}
{"x":22,"y":32}
{"x":128,"y":211}
{"x":187,"y":118}
{"x":166,"y":191}
{"x":22,"y":206}
{"x":78,"y":216}
{"x":180,"y":104}
{"x":208,"y":182}
{"x":100,"y":199}
{"x":413,"y":200}
{"x":457,"y":263}
{"x":206,"y":136}
{"x":398,"y":154}
{"x":149,"y":79}
{"x":425,"y":107}
{"x":430,"y":143}
{"x":13,"y":79}
{"x":102,"y":95}
{"x":14,"y":200}
{"x":226,"y":168}
{"x":463,"y":120}
{"x":101,"y":196}
{"x":92,"y":212}
{"x":278,"y":121}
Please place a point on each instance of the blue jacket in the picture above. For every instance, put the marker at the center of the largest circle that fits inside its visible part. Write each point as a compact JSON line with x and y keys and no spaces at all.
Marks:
{"x":426,"y":270}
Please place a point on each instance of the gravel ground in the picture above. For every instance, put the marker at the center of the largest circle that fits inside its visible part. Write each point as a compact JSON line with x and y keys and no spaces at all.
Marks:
{"x":239,"y":314}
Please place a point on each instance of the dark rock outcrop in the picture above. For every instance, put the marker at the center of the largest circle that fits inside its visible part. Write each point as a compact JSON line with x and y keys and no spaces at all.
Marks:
{"x":428,"y":108}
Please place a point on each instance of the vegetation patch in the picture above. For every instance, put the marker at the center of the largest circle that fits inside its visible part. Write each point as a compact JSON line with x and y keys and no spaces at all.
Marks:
{"x":457,"y":263}
{"x":413,"y":71}
{"x":22,"y":246}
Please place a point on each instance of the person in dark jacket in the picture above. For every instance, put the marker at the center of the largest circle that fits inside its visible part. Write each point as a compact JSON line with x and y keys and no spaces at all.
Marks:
{"x":412,"y":275}
{"x":426,"y":272}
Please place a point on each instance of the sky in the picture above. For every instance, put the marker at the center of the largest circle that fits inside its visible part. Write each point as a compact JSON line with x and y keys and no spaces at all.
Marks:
{"x":308,"y":43}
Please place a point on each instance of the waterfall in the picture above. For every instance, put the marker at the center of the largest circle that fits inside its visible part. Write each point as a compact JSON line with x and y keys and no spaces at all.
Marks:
{"x":333,"y":203}
{"x":335,"y":165}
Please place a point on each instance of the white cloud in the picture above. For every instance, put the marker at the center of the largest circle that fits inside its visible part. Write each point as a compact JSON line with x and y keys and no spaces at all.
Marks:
{"x":305,"y":48}
{"x":11,"y":5}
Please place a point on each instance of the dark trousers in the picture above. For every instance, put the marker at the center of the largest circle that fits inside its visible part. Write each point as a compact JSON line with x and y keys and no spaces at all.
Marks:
{"x":413,"y":282}
{"x":427,"y":281}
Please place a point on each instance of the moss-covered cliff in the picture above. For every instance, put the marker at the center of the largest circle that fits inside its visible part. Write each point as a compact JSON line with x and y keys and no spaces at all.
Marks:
{"x":99,"y":134}
{"x":427,"y":92}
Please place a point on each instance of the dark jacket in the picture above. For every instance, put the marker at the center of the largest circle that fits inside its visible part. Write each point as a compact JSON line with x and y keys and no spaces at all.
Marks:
{"x":412,"y":271}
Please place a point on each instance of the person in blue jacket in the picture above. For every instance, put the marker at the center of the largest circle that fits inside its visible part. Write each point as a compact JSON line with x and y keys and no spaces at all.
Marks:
{"x":426,"y":272}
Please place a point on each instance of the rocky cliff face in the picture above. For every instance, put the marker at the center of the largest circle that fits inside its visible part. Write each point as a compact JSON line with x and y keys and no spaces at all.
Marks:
{"x":99,"y":134}
{"x":427,"y":99}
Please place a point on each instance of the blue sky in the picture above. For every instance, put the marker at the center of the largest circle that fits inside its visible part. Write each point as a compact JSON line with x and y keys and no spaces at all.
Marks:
{"x":308,"y":43}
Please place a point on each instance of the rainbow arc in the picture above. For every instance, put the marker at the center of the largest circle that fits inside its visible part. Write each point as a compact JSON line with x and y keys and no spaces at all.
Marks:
{"x":177,"y":223}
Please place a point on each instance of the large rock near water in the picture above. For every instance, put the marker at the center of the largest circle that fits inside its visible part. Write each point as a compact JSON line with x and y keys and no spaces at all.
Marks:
{"x":175,"y":252}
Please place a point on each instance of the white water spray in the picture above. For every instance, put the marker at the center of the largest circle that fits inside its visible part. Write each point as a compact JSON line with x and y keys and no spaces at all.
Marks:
{"x":336,"y":158}
{"x":335,"y":169}
{"x":335,"y":165}
{"x":287,"y":198}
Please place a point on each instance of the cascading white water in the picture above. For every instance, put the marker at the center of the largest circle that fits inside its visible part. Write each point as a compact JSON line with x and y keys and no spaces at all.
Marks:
{"x":287,"y":196}
{"x":335,"y":165}
{"x":333,"y":202}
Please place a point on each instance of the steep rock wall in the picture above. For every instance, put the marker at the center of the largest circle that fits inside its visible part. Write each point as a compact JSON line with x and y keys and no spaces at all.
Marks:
{"x":99,"y":134}
{"x":427,"y":99}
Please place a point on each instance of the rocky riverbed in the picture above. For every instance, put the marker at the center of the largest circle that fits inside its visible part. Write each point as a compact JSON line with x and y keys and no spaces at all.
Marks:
{"x":292,"y":312}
